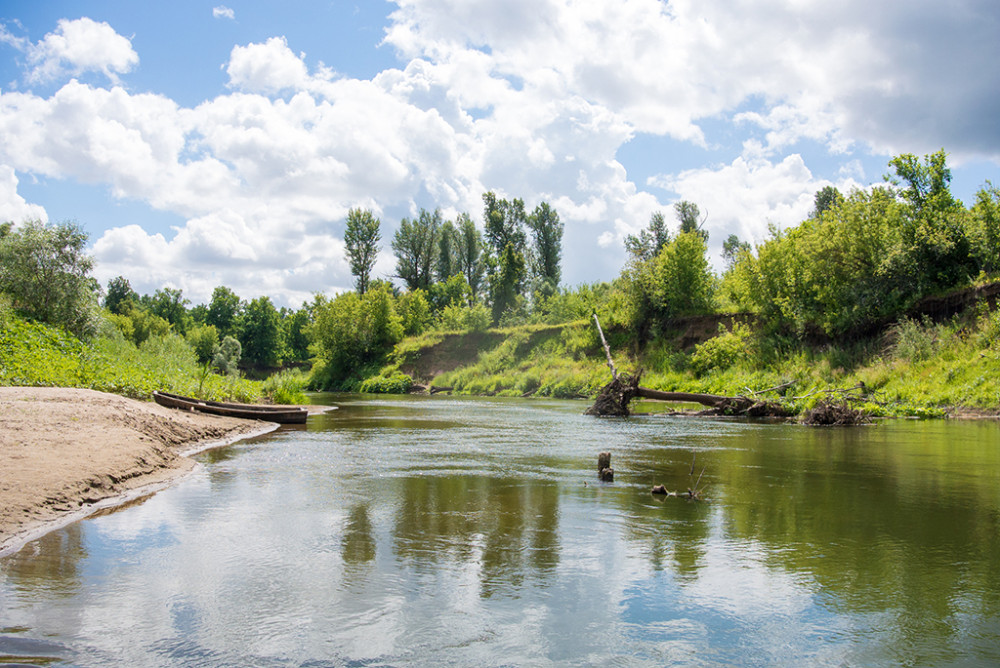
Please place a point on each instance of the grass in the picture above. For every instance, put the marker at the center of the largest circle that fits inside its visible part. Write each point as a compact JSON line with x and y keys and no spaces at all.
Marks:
{"x":33,"y":354}
{"x":916,"y":368}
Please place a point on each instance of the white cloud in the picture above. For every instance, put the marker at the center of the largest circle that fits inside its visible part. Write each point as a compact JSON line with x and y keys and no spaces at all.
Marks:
{"x":13,"y":207}
{"x":266,"y":68}
{"x":78,"y":46}
{"x":223,"y":12}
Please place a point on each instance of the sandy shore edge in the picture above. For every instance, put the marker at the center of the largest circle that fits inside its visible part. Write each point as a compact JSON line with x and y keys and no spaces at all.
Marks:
{"x":66,"y":454}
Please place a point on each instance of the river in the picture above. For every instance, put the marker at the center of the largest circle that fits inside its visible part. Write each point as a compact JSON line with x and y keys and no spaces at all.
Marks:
{"x":448,"y":531}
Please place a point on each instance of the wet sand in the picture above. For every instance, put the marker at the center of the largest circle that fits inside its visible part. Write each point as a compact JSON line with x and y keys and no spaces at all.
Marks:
{"x":66,"y":453}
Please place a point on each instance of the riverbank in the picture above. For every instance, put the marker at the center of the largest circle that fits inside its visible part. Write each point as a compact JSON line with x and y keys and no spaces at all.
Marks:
{"x":66,"y":453}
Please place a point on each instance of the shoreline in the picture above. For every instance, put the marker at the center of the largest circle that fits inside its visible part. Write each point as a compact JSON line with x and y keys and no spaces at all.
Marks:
{"x":66,"y":454}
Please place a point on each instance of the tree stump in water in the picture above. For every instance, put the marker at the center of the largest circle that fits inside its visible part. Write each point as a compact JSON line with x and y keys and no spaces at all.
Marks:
{"x":604,"y":470}
{"x":614,"y":398}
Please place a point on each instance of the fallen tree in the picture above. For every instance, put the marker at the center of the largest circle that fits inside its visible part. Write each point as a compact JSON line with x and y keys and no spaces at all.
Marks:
{"x":615,"y":397}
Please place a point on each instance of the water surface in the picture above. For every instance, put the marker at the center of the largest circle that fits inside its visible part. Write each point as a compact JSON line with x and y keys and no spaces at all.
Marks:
{"x":444,"y":531}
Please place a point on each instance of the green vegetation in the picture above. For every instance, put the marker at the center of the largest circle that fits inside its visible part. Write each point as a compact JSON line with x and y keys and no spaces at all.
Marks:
{"x":840,"y":306}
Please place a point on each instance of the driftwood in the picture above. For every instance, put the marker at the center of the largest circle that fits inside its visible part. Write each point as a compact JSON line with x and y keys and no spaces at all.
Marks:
{"x":615,"y":397}
{"x":835,"y":413}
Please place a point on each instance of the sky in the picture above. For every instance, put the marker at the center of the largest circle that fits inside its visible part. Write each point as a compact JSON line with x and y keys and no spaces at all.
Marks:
{"x":202,"y":144}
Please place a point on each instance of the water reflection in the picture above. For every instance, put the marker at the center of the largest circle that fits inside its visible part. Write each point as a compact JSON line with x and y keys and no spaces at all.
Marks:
{"x":415,"y":531}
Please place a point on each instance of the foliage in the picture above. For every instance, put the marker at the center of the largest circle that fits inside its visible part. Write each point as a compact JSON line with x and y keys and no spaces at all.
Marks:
{"x":36,"y":354}
{"x":226,"y":356}
{"x":649,"y":241}
{"x":729,"y":348}
{"x":460,"y":318}
{"x":414,"y":311}
{"x":361,"y":240}
{"x":984,"y":228}
{"x":224,"y":311}
{"x":45,"y":272}
{"x":120,"y":298}
{"x":395,"y":383}
{"x":547,"y":232}
{"x":415,"y":246}
{"x":468,"y":254}
{"x":204,"y":340}
{"x":353,"y":331}
{"x":286,"y":387}
{"x":676,"y":282}
{"x":171,"y":305}
{"x":260,"y":333}
{"x":690,"y":218}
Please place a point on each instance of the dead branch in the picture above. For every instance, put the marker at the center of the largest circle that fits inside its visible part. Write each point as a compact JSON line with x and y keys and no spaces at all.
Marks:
{"x":607,"y":349}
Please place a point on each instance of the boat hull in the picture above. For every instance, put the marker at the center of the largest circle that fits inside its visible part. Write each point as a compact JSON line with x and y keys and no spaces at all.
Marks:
{"x":279,"y":414}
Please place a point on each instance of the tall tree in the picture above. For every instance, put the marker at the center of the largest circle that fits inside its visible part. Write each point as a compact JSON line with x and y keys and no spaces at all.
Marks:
{"x":547,"y":232}
{"x":507,"y":257}
{"x":415,"y":246}
{"x":45,"y":271}
{"x":171,"y":305}
{"x":447,"y":242}
{"x":690,"y":217}
{"x":260,"y":333}
{"x":361,"y":239}
{"x":826,"y":198}
{"x":468,"y":254}
{"x":223,"y":311}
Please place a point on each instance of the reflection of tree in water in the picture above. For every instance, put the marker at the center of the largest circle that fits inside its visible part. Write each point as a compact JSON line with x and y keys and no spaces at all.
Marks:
{"x":880,"y":527}
{"x":359,"y":541}
{"x":50,"y":564}
{"x":509,"y":527}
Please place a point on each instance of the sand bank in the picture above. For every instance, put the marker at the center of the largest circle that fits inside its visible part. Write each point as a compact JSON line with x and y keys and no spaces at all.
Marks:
{"x":65,"y":453}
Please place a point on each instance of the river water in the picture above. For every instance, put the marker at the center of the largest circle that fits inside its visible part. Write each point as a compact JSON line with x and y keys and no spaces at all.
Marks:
{"x":447,"y":531}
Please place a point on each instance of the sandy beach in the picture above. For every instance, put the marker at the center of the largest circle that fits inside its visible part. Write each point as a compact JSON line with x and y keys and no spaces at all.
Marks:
{"x":65,"y":453}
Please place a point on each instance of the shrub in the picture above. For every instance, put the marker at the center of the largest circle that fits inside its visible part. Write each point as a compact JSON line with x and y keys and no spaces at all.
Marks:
{"x":397,"y":383}
{"x":727,"y":349}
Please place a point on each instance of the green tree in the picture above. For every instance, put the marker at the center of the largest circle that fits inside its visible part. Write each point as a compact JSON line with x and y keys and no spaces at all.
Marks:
{"x":171,"y":305}
{"x":547,"y":233}
{"x":690,"y":218}
{"x":650,"y":241}
{"x":205,"y":341}
{"x":825,"y":198}
{"x":361,"y":239}
{"x":260,"y":333}
{"x":468,"y":256}
{"x":415,"y":247}
{"x":447,"y":252}
{"x":227,"y":356}
{"x":985,"y":227}
{"x":351,"y":332}
{"x":506,"y":260}
{"x":224,"y":310}
{"x":296,"y":335}
{"x":732,"y":248}
{"x":45,"y":271}
{"x":121,"y":298}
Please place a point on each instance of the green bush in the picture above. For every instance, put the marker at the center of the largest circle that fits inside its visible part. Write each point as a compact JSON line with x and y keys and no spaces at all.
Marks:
{"x":397,"y":383}
{"x":286,"y":387}
{"x":729,"y":348}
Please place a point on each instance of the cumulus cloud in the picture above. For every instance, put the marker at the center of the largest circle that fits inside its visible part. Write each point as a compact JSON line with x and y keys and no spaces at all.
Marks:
{"x":78,"y":46}
{"x":13,"y":207}
{"x":531,"y":99}
{"x":223,"y":12}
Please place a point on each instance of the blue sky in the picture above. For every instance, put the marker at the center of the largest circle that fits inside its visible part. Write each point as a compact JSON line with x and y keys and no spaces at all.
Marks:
{"x":203,"y":144}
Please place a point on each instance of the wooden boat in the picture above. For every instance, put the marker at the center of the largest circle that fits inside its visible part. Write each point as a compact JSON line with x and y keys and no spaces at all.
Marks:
{"x":281,"y":414}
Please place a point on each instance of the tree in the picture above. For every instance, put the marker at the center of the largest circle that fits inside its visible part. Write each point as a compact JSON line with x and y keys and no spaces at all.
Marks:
{"x":506,"y":260}
{"x":468,"y":255}
{"x":826,"y":198}
{"x":260,"y":333}
{"x":690,"y":217}
{"x":732,"y":248}
{"x":227,"y":356}
{"x":170,"y":304}
{"x":447,"y":247}
{"x":296,"y":325}
{"x":926,"y":185}
{"x":205,"y":341}
{"x":648,"y":243}
{"x":46,"y":273}
{"x":415,"y":246}
{"x":224,"y":311}
{"x":547,"y":232}
{"x":121,"y":298}
{"x":361,"y":239}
